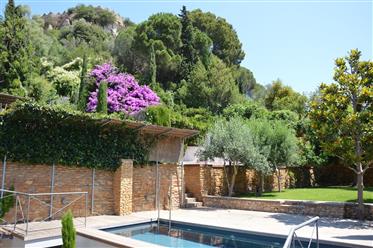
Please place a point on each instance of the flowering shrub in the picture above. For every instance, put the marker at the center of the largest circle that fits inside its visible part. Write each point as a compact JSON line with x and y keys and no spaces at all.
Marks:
{"x":124,"y":93}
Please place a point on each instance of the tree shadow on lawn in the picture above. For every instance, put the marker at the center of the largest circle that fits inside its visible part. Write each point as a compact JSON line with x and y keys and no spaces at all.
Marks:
{"x":253,"y":195}
{"x":369,"y":200}
{"x":292,"y":219}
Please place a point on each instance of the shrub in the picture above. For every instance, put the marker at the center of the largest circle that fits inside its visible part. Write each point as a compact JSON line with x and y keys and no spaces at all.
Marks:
{"x":102,"y":98}
{"x":68,"y":231}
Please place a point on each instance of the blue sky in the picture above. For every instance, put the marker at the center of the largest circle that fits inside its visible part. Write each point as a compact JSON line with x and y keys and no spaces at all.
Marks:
{"x":296,"y":41}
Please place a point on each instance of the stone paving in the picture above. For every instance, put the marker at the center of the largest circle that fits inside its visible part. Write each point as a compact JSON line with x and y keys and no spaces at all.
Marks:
{"x":352,"y":233}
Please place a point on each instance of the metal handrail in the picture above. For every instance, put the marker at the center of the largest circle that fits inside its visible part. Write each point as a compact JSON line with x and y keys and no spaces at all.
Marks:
{"x":41,"y":194}
{"x":170,"y":205}
{"x":290,"y":239}
{"x":25,"y":217}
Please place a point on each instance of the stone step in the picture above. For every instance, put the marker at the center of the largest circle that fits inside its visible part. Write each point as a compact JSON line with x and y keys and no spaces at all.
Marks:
{"x":190,"y":199}
{"x":194,"y":205}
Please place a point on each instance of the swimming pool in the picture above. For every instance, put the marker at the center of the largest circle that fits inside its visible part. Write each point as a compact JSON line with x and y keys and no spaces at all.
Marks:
{"x":190,"y":236}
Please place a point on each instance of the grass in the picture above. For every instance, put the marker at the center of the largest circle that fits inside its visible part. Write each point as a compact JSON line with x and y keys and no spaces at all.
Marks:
{"x":338,"y":194}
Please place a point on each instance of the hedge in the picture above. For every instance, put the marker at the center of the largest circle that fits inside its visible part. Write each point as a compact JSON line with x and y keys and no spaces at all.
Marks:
{"x":50,"y":134}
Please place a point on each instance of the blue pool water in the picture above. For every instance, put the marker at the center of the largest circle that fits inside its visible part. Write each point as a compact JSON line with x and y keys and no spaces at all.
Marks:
{"x":188,"y":236}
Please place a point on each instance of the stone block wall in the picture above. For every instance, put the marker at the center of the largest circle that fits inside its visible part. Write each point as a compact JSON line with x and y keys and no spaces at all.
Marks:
{"x":209,"y":180}
{"x":311,"y":208}
{"x":130,"y":188}
{"x":122,"y":189}
{"x":144,"y":187}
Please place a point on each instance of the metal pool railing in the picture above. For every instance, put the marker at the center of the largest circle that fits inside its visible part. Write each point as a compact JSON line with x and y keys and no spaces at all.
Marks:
{"x":22,"y":206}
{"x":293,"y":239}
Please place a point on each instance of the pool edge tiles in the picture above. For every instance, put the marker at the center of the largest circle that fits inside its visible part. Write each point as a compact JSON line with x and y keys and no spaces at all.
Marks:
{"x":323,"y":241}
{"x":90,"y":237}
{"x":220,"y":237}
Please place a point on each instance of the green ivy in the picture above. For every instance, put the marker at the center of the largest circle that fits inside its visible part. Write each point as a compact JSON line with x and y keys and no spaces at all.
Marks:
{"x":49,"y":134}
{"x":6,"y":203}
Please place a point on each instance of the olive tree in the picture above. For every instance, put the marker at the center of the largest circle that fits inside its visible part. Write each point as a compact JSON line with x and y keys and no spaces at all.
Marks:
{"x":233,"y":141}
{"x":276,"y":142}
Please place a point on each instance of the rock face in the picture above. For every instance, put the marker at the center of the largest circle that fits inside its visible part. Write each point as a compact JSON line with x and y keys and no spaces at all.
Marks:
{"x":60,"y":20}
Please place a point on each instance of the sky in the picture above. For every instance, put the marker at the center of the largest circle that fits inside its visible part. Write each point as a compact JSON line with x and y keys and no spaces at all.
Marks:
{"x":296,"y":41}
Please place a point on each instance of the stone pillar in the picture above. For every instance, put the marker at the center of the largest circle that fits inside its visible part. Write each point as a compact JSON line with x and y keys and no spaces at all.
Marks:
{"x":123,"y":188}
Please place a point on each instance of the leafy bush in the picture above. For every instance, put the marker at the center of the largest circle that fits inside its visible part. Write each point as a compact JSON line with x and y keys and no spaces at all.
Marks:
{"x":159,"y":115}
{"x":6,"y":203}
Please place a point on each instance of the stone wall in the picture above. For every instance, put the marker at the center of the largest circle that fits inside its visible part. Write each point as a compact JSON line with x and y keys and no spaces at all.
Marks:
{"x":341,"y":175}
{"x":121,"y":192}
{"x":209,"y":180}
{"x":144,"y":187}
{"x":312,"y":208}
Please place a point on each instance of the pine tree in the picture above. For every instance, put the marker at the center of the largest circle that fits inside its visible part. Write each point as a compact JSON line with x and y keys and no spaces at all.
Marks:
{"x":102,"y":98}
{"x":17,"y":60}
{"x":153,"y":66}
{"x":83,"y":91}
{"x":68,"y":231}
{"x":187,"y":49}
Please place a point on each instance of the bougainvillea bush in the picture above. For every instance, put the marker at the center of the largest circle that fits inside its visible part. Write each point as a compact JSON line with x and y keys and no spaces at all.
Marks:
{"x":124,"y":92}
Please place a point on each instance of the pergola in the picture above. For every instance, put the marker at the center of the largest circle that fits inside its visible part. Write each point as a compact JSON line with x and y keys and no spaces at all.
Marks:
{"x":6,"y":99}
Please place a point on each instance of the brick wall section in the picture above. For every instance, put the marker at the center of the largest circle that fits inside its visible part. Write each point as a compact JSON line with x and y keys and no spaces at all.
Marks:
{"x":322,"y":209}
{"x":208,"y":180}
{"x":144,"y":187}
{"x":137,"y":193}
{"x":122,"y":189}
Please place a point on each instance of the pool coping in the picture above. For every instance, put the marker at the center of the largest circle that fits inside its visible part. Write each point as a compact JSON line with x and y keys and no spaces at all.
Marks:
{"x":322,"y":241}
{"x":113,"y":239}
{"x":101,"y":231}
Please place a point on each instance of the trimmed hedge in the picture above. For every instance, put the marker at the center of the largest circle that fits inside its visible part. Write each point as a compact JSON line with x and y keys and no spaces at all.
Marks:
{"x":49,"y":134}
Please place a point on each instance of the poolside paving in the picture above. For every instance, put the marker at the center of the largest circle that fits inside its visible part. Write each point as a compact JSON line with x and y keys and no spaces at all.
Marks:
{"x":353,"y":233}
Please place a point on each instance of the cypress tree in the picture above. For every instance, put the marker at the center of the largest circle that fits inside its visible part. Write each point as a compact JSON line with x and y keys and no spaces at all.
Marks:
{"x":102,"y":98}
{"x":16,"y":59}
{"x":187,"y":39}
{"x":68,"y":231}
{"x":153,"y":66}
{"x":83,"y":91}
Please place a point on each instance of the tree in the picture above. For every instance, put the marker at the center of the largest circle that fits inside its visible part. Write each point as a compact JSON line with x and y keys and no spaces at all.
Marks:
{"x":68,"y":231}
{"x":247,"y":109}
{"x":342,"y":116}
{"x":17,"y":60}
{"x":213,"y":88}
{"x":187,"y":39}
{"x":102,"y":98}
{"x":153,"y":66}
{"x":276,"y":142}
{"x":225,"y":42}
{"x":83,"y":91}
{"x":65,"y":79}
{"x":245,"y":80}
{"x":280,"y":97}
{"x":233,"y":141}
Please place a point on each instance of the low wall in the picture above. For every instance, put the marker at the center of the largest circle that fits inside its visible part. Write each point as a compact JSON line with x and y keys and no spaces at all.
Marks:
{"x":128,"y":189}
{"x":209,"y":180}
{"x":312,"y":208}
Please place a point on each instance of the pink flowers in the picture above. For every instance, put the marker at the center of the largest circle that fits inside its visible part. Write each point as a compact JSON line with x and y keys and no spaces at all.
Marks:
{"x":124,"y":92}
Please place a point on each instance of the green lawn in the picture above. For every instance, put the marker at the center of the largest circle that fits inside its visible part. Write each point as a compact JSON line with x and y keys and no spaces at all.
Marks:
{"x":339,"y":194}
